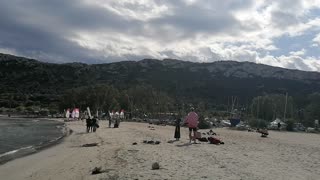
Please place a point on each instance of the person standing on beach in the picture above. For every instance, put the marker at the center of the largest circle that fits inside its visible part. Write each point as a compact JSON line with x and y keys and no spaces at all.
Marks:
{"x":89,"y":124}
{"x":279,"y":126}
{"x":109,"y":118}
{"x":177,"y":130}
{"x":192,"y":121}
{"x":95,"y":124}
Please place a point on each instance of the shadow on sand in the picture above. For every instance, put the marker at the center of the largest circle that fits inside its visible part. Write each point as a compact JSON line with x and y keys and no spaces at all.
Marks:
{"x":183,"y":145}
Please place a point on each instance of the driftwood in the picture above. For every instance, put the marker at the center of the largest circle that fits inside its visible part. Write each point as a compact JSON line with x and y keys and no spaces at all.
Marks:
{"x":90,"y":145}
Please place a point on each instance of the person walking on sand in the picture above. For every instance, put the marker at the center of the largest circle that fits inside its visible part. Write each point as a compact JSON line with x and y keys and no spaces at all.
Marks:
{"x":192,"y":121}
{"x":177,"y":130}
{"x":95,"y":123}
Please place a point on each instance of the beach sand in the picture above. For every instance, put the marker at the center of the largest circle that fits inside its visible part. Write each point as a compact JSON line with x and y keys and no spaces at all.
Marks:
{"x":245,"y":155}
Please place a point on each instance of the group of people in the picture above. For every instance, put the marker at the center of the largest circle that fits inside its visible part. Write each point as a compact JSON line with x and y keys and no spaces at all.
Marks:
{"x":191,"y":121}
{"x":92,"y":124}
{"x":115,"y":117}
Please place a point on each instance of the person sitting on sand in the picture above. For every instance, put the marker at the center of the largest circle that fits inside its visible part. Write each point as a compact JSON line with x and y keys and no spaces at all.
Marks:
{"x":192,"y":121}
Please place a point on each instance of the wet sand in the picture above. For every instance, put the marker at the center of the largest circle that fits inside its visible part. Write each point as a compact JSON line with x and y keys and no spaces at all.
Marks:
{"x":245,"y":155}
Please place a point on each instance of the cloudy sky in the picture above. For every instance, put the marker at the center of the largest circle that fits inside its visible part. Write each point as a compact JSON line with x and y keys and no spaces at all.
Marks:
{"x":284,"y":33}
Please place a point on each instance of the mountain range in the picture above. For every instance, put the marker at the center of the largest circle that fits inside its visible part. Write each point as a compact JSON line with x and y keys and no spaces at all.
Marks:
{"x":212,"y":82}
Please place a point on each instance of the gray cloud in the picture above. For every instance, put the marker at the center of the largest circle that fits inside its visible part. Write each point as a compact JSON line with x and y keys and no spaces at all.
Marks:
{"x":284,"y":19}
{"x":42,"y":28}
{"x":80,"y":30}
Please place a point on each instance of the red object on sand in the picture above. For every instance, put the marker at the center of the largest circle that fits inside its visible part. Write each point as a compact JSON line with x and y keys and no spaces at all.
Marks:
{"x":214,"y":140}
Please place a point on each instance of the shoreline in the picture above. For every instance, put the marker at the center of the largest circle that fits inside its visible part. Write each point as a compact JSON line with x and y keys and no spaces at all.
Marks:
{"x":28,"y":150}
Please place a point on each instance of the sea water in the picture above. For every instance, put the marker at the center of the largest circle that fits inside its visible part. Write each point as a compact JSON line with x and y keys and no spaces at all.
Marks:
{"x":18,"y":134}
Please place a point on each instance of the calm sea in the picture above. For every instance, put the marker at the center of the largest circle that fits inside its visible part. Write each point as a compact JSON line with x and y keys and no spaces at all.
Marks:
{"x":17,"y":134}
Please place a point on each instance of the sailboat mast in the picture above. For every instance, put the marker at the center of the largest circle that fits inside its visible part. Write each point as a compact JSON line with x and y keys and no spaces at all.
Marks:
{"x":285,"y":107}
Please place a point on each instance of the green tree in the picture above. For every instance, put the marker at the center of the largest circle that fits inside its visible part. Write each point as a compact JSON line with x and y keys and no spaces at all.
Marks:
{"x":312,"y":110}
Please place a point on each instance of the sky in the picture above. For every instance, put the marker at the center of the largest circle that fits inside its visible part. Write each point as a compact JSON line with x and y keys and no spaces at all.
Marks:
{"x":283,"y":33}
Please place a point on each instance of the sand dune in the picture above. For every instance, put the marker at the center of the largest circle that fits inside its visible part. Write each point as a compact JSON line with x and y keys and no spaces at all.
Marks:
{"x":245,"y":155}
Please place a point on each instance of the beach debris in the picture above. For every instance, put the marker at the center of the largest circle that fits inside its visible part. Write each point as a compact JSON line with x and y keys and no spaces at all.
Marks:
{"x":264,"y":132}
{"x":133,"y":150}
{"x":264,"y":135}
{"x":155,"y":166}
{"x":90,"y":145}
{"x":97,"y":170}
{"x":151,"y":142}
{"x":134,"y":143}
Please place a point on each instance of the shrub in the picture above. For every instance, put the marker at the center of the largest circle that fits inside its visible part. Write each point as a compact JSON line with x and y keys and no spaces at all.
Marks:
{"x":20,"y":109}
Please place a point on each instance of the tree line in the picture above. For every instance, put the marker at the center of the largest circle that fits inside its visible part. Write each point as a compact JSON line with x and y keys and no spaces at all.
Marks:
{"x":146,"y":100}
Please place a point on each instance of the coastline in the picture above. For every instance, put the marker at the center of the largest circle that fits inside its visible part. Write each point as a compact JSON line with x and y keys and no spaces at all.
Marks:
{"x":28,"y":150}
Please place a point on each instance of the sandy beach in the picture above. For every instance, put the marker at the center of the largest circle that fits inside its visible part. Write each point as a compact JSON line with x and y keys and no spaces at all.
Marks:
{"x":245,"y":155}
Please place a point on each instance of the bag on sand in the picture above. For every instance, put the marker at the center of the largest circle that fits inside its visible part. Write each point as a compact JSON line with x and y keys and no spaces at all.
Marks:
{"x":198,"y":135}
